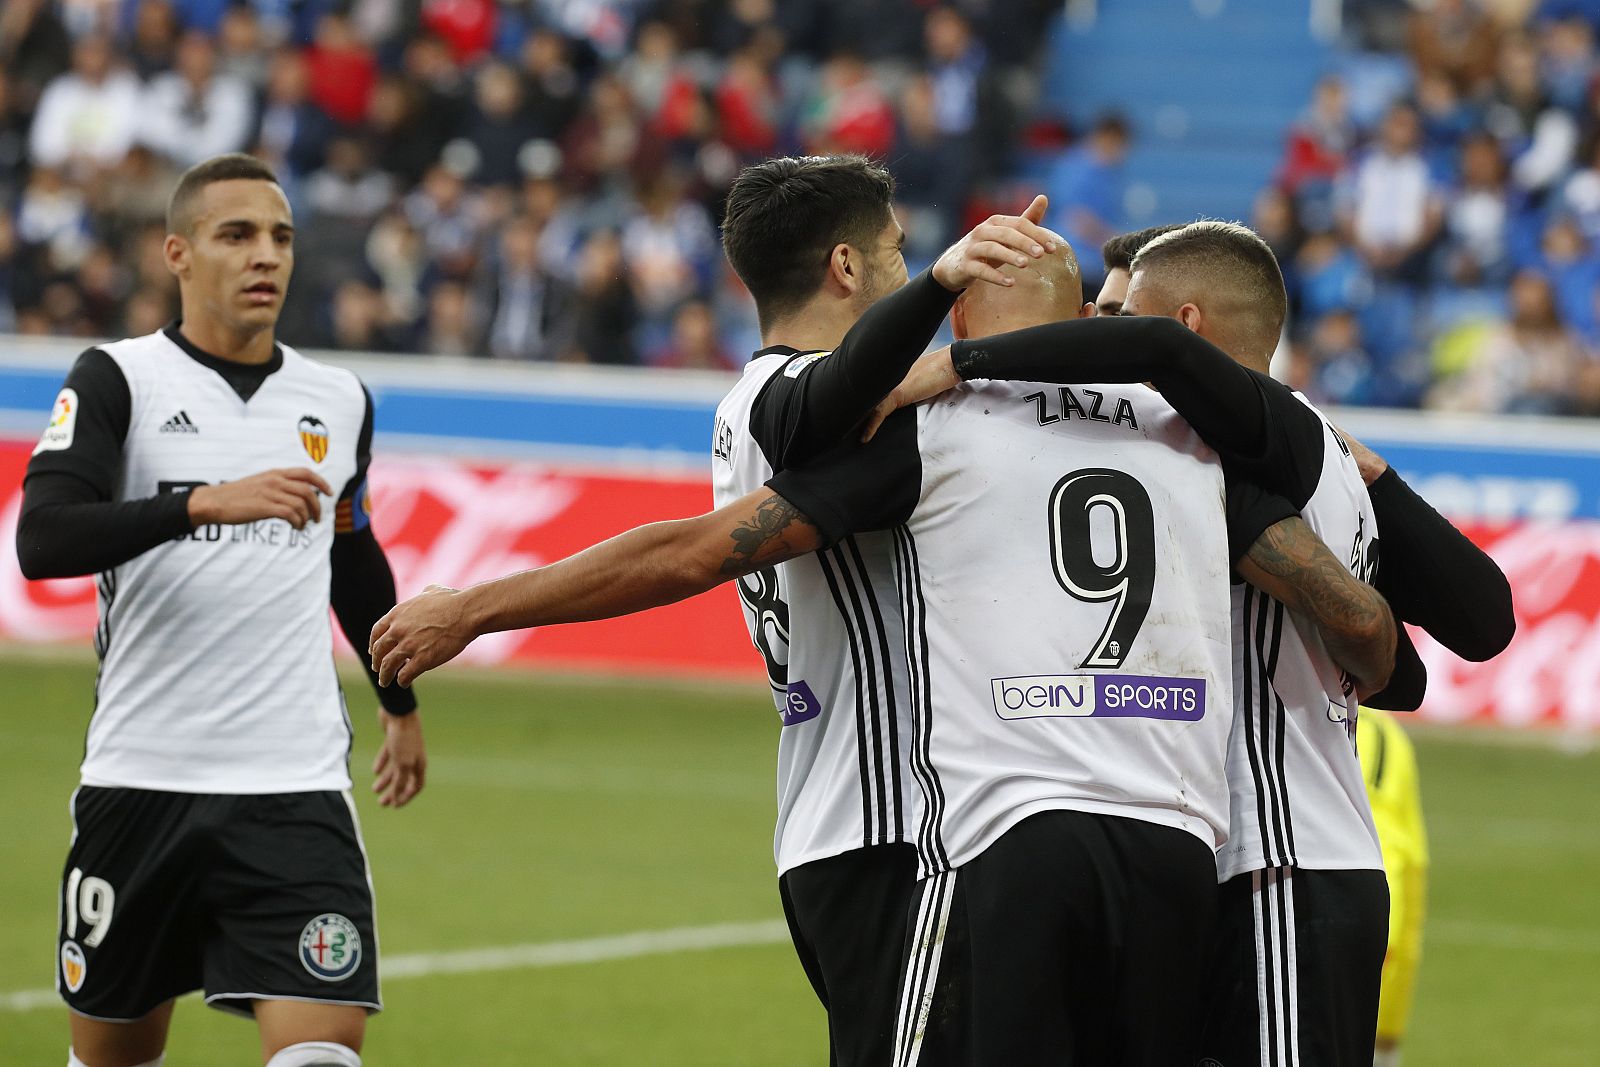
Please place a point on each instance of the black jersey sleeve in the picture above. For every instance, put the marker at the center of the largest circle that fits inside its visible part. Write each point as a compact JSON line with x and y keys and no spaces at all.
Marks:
{"x":819,"y":399}
{"x":855,"y":487}
{"x":1254,"y":422}
{"x":69,"y":524}
{"x":1251,"y":510}
{"x":362,"y":584}
{"x":363,"y":449}
{"x":1408,"y":683}
{"x":67,"y":528}
{"x":95,"y":407}
{"x":361,"y":591}
{"x":1435,"y":577}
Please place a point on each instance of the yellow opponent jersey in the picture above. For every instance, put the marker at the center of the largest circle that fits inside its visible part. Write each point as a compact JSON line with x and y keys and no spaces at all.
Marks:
{"x":1389,"y":765}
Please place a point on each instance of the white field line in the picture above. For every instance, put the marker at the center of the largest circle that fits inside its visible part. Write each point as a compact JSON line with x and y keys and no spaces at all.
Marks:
{"x":527,"y":957}
{"x":772,"y":932}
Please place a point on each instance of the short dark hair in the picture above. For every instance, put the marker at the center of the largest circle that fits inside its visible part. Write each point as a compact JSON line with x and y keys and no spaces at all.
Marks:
{"x":235,"y":166}
{"x":785,"y":216}
{"x":1231,"y":265}
{"x":1118,"y":252}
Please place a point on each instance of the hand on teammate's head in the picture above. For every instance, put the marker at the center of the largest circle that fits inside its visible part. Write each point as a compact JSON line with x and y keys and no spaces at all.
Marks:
{"x":998,"y":241}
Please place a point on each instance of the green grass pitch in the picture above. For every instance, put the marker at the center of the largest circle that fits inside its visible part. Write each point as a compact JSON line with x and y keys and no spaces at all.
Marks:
{"x":565,"y":811}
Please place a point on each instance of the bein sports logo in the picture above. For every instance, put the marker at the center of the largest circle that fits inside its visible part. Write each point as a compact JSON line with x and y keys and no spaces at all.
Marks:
{"x":1077,"y":696}
{"x":800,"y":704}
{"x":1042,"y":695}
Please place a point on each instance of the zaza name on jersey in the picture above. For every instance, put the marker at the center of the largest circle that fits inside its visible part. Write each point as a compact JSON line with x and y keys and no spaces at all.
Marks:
{"x":1065,"y":403}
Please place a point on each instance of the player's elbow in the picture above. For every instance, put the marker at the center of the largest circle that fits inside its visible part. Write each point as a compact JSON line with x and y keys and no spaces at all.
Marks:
{"x":1495,"y":622}
{"x":35,"y":555}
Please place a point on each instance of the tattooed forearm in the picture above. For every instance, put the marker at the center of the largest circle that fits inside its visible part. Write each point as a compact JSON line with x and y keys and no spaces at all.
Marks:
{"x":772,"y":535}
{"x":1290,"y":562}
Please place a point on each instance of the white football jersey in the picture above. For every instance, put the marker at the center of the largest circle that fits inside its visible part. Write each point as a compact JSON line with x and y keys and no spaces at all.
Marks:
{"x":1297,"y":794}
{"x":829,"y":627}
{"x":1063,"y":571}
{"x":216,"y":650}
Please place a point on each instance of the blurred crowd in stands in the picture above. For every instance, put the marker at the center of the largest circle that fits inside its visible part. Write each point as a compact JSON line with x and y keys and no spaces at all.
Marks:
{"x":1437,"y":211}
{"x":534,"y":180}
{"x":541,"y":179}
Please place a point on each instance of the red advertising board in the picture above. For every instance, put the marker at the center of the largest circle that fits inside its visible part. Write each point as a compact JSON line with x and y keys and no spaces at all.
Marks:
{"x":454,"y":522}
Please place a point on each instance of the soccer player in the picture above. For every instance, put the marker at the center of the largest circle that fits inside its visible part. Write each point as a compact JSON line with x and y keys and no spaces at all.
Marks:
{"x":1304,"y":900}
{"x":1116,"y":255}
{"x":1389,"y":765}
{"x":1159,"y":837}
{"x":829,"y":626}
{"x":215,"y":481}
{"x":816,"y":242}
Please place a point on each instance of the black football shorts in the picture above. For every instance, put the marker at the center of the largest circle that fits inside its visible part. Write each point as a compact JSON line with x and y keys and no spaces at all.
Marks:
{"x":248,"y":897}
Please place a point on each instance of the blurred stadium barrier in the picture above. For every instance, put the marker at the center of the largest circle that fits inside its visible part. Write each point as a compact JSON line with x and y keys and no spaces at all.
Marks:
{"x":482,"y":469}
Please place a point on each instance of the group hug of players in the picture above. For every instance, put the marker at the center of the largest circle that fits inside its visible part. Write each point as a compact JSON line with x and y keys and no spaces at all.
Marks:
{"x":1066,"y":626}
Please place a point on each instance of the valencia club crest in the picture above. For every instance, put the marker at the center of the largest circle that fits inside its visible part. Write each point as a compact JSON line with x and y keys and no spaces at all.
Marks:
{"x":314,"y":436}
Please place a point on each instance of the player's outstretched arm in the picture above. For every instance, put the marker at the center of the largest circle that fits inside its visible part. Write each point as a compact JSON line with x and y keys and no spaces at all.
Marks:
{"x":646,"y":567}
{"x":828,"y":400}
{"x":1431,"y":573}
{"x":1290,"y":563}
{"x":1233,"y":409}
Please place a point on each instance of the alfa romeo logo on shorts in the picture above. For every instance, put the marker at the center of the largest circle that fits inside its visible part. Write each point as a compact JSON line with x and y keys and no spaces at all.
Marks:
{"x":73,"y":966}
{"x":330,"y":947}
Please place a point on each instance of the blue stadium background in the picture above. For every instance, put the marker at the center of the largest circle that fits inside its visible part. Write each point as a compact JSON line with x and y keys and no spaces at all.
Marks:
{"x":540,"y":180}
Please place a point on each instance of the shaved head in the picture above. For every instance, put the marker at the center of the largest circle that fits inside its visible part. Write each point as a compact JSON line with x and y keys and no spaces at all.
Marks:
{"x":1226,"y":271}
{"x":1049,"y":289}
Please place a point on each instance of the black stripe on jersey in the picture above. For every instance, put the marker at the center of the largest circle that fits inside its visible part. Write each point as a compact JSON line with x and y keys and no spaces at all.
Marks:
{"x":1266,"y":752}
{"x":1257,"y":741}
{"x":891,"y":714}
{"x":106,"y":586}
{"x":1246,"y":701}
{"x":1282,"y":719}
{"x":863,"y":758}
{"x":909,"y":574}
{"x":857,"y":584}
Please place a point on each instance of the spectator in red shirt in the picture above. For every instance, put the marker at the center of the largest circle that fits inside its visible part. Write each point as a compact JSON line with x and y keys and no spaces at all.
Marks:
{"x":850,"y":113}
{"x":747,"y":104}
{"x":466,"y":25}
{"x":1320,"y":140}
{"x":342,"y":70}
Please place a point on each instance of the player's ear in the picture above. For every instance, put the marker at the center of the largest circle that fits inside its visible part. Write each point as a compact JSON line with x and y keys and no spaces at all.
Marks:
{"x":1191,"y":316}
{"x":845,"y":268}
{"x":1089,"y":310}
{"x":176,"y":252}
{"x":958,"y":318}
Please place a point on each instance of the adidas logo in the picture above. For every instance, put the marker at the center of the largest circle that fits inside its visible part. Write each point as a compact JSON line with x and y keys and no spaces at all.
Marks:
{"x":180,"y":423}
